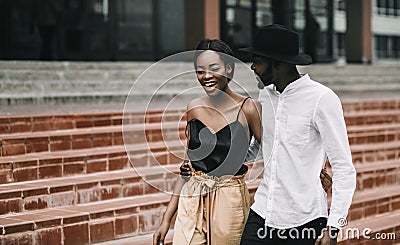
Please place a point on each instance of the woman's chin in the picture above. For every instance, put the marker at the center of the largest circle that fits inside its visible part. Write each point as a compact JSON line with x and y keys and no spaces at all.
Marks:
{"x":212,"y":92}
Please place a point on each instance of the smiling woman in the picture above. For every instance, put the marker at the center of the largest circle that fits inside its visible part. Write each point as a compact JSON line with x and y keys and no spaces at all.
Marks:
{"x":212,"y":206}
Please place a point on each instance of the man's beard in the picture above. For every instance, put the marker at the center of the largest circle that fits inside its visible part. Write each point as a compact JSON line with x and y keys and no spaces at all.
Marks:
{"x":263,"y":82}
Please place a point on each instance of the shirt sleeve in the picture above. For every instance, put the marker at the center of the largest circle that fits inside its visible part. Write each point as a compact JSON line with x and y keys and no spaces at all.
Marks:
{"x":329,"y":121}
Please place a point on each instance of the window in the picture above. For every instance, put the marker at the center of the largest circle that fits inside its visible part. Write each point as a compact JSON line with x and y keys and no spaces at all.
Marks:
{"x":388,"y":7}
{"x":263,"y":13}
{"x":387,"y":46}
{"x":341,"y":5}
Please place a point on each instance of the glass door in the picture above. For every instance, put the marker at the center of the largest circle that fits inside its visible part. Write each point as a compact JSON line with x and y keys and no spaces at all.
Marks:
{"x":313,"y":20}
{"x":136,"y":31}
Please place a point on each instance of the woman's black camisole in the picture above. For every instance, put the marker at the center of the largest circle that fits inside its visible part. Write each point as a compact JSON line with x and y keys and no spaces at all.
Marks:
{"x":218,"y":154}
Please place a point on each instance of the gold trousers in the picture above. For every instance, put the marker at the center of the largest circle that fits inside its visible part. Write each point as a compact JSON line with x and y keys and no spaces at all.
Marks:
{"x":212,"y":210}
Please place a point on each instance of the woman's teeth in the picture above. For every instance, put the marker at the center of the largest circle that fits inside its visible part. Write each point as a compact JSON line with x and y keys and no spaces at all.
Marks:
{"x":209,"y":84}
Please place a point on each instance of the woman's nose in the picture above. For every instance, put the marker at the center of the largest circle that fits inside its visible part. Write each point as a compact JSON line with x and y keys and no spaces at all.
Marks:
{"x":208,"y":75}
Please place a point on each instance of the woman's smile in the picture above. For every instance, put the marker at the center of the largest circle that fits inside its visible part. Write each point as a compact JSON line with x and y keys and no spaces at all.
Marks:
{"x":210,"y":86}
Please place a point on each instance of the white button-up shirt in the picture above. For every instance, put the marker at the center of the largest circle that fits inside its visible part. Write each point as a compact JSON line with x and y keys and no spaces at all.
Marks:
{"x":301,"y":127}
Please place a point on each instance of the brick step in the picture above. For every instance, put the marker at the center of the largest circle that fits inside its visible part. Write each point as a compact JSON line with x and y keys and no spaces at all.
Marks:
{"x":72,"y":139}
{"x":43,"y":165}
{"x":64,"y":163}
{"x":80,"y":189}
{"x":84,"y":224}
{"x":374,"y":202}
{"x":10,"y":124}
{"x":377,"y":174}
{"x":365,"y":153}
{"x":35,"y":123}
{"x":371,"y":134}
{"x":69,"y":139}
{"x":361,"y":200}
{"x":106,"y":220}
{"x":372,"y":127}
{"x":356,"y":113}
{"x":145,"y":239}
{"x":40,"y":194}
{"x":86,"y":188}
{"x":83,"y":188}
{"x":88,"y":223}
{"x":370,"y":105}
{"x":372,"y":117}
{"x":385,"y":223}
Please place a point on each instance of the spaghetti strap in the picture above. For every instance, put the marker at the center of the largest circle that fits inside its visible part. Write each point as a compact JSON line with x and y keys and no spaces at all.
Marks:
{"x":186,"y":129}
{"x":237,"y":117}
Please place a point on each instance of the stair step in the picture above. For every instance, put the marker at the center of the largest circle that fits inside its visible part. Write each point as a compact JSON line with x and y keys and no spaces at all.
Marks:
{"x":145,"y":239}
{"x":36,"y":123}
{"x":363,"y":153}
{"x":72,"y":139}
{"x":75,"y":190}
{"x":64,"y":163}
{"x":10,"y":124}
{"x":374,"y":202}
{"x":86,"y":188}
{"x":377,"y":174}
{"x":371,"y":105}
{"x":372,"y":117}
{"x":91,"y":223}
{"x":114,"y":218}
{"x":371,"y":134}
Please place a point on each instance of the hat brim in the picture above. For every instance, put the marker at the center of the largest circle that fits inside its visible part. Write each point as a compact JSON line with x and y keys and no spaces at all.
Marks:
{"x":299,"y":59}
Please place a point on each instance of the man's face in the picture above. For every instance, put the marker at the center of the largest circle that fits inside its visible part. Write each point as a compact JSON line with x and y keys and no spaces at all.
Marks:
{"x":263,"y":69}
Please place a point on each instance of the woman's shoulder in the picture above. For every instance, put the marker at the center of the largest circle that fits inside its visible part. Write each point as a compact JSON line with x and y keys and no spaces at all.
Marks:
{"x":193,"y":106}
{"x":251,"y":106}
{"x":199,"y":101}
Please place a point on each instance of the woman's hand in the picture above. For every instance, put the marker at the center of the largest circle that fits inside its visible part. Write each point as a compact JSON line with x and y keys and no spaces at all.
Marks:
{"x":326,"y":179}
{"x":185,"y":169}
{"x":161,"y":232}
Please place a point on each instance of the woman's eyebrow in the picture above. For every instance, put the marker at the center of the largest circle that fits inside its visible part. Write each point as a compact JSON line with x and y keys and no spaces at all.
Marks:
{"x":213,"y":64}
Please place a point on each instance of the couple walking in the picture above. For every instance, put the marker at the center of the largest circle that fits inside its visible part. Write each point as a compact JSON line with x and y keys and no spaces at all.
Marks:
{"x":298,"y":122}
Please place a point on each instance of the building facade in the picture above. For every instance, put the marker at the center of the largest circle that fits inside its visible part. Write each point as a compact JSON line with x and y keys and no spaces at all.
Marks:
{"x":360,"y":31}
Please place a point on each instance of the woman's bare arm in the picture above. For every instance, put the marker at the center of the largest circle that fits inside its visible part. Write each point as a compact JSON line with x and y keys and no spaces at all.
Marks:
{"x":252,"y":111}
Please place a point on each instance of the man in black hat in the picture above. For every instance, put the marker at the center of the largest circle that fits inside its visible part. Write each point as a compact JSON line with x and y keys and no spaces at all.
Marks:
{"x":303,"y":124}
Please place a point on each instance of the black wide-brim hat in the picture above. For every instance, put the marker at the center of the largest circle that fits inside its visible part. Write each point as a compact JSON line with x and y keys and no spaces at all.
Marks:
{"x":279,"y":43}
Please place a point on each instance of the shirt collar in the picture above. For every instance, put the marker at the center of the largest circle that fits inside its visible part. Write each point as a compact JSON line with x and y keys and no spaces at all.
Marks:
{"x":291,"y":87}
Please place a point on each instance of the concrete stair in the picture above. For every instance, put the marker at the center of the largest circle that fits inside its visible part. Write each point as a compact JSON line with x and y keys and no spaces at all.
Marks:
{"x":44,"y":83}
{"x":89,"y":193}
